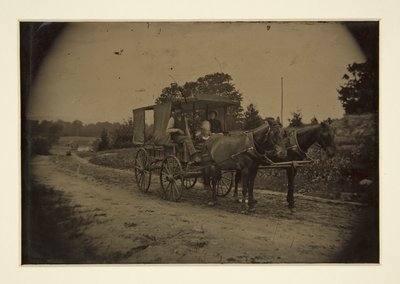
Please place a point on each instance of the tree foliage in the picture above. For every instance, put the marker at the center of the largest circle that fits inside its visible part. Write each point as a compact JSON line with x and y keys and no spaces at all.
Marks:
{"x":296,"y":119}
{"x":42,"y":136}
{"x":104,"y":141}
{"x":252,"y":118}
{"x":212,"y":84}
{"x":314,"y":120}
{"x":122,"y":136}
{"x":360,"y":92}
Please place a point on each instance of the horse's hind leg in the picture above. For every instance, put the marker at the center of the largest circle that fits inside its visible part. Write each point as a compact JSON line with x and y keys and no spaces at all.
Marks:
{"x":291,"y":173}
{"x":237,"y":180}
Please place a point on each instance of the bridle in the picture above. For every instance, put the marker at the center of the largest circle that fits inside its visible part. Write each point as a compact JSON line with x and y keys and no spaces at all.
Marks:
{"x":260,"y":151}
{"x":304,"y":153}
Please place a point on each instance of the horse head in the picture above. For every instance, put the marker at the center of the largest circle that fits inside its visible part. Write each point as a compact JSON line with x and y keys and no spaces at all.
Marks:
{"x":273,"y":142}
{"x":325,"y":139}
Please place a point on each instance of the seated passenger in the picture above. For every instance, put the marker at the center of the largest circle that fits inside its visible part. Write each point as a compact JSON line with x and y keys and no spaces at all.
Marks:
{"x":176,"y":127}
{"x":204,"y":133}
{"x":214,"y":122}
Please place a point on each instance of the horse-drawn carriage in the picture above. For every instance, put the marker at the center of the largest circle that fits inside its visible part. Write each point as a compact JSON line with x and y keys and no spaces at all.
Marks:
{"x":238,"y":155}
{"x":158,"y":153}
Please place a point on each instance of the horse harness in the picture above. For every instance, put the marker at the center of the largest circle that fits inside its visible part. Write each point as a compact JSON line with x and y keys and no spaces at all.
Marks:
{"x":254,"y":150}
{"x":293,"y":144}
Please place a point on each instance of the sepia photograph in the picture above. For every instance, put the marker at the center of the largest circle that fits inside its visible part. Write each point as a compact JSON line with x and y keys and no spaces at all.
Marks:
{"x":200,"y":142}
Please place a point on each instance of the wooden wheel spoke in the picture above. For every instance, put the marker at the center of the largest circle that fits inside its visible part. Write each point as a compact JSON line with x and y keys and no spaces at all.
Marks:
{"x":170,"y":173}
{"x":223,"y":182}
{"x":173,"y":190}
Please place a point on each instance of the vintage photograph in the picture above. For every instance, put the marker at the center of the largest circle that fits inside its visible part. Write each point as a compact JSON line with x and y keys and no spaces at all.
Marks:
{"x":200,"y":142}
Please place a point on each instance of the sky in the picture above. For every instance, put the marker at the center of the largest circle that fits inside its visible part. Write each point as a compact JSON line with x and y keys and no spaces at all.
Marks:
{"x":82,"y":77}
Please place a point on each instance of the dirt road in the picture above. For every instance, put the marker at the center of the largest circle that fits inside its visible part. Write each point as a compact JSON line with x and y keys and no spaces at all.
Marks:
{"x":96,"y":214}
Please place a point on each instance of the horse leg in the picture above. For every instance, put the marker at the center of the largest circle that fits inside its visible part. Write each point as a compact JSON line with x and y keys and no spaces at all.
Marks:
{"x":245,"y":186}
{"x":252,"y":177}
{"x":207,"y":182}
{"x":291,"y":173}
{"x":237,"y":180}
{"x":211,"y":182}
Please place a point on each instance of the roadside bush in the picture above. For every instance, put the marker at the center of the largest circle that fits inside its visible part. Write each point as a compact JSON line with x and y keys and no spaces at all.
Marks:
{"x":123,"y":135}
{"x":40,"y":146}
{"x":326,"y":174}
{"x":41,"y":136}
{"x":104,"y":143}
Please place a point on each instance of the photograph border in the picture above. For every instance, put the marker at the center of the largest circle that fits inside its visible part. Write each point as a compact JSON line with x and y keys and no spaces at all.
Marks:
{"x":348,"y":272}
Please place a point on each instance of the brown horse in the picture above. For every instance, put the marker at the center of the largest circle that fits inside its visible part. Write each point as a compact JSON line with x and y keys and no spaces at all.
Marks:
{"x":297,"y":144}
{"x":244,"y":152}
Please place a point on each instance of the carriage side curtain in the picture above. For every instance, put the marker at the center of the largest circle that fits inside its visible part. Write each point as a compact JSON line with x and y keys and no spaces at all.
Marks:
{"x":162,"y":113}
{"x":138,"y":126}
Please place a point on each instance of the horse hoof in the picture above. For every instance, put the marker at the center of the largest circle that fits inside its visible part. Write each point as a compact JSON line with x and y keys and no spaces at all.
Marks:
{"x":252,"y":209}
{"x":211,"y":203}
{"x":291,"y":206}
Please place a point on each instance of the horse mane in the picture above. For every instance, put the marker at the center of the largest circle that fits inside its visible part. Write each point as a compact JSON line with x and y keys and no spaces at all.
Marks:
{"x":275,"y":125}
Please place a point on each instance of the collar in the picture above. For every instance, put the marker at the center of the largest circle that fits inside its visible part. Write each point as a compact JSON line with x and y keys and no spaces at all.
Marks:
{"x":254,"y":152}
{"x":294,"y":144}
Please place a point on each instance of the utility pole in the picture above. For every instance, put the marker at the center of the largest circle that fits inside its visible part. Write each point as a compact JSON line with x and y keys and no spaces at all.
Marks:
{"x":282,"y":101}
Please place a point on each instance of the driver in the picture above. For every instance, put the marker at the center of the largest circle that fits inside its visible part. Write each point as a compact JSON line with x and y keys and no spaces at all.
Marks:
{"x":176,"y":127}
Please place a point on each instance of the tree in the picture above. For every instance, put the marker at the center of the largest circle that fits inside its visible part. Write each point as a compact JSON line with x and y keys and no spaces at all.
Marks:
{"x":54,"y":134}
{"x":252,"y":119}
{"x":122,"y":135}
{"x":360,"y":92}
{"x":295,"y":121}
{"x":77,"y":126}
{"x":104,"y":141}
{"x":171,"y":93}
{"x":211,"y":84}
{"x":220,"y":84}
{"x":314,"y":120}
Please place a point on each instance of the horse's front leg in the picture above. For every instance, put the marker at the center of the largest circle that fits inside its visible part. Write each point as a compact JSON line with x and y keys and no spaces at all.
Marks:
{"x":212,"y":178}
{"x":252,"y":178}
{"x":245,"y":185}
{"x":291,"y":174}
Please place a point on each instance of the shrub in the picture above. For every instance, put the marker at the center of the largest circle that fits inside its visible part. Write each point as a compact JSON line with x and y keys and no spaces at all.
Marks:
{"x":122,"y":136}
{"x":104,"y":141}
{"x":40,"y":146}
{"x":296,"y":119}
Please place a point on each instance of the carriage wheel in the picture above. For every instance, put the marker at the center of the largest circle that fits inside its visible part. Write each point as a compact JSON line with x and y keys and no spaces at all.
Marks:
{"x":225,"y":183}
{"x":189,"y":182}
{"x":142,"y":170}
{"x":171,"y":179}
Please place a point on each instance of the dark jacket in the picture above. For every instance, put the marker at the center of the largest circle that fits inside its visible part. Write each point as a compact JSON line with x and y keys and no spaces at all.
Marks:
{"x":215,"y":126}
